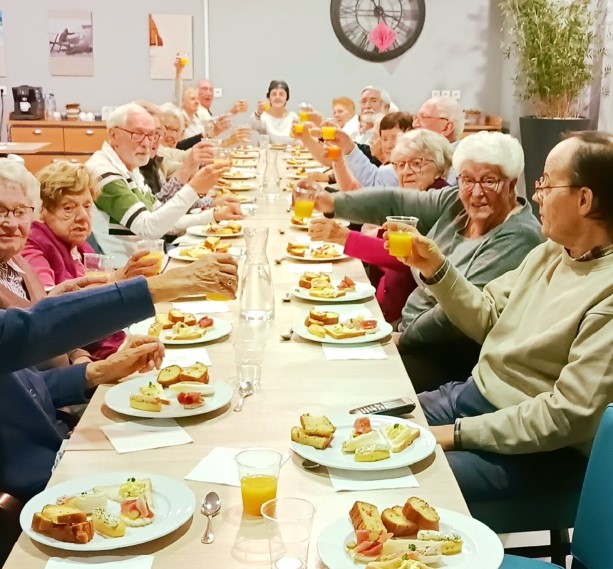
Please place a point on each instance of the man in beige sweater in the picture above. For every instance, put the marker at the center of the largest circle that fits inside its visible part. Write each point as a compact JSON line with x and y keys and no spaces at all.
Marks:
{"x":526,"y":418}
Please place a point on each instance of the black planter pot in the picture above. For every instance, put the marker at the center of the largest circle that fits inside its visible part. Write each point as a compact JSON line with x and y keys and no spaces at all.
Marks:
{"x":538,"y":137}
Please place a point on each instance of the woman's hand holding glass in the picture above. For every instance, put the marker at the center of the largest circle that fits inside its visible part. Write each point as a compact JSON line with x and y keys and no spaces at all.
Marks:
{"x":323,"y":229}
{"x":205,"y":179}
{"x":425,"y":255}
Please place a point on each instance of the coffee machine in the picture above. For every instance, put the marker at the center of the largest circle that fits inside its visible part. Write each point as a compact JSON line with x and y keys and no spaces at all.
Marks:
{"x":29,"y":103}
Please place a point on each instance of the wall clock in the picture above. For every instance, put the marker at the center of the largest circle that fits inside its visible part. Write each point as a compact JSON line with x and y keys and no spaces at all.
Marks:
{"x":395,"y":23}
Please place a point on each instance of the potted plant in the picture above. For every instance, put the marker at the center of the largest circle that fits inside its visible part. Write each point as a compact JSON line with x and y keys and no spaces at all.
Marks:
{"x":555,"y":47}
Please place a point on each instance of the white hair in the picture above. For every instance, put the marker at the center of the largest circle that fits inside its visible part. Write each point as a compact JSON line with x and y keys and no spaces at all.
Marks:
{"x":495,"y":148}
{"x":450,"y":109}
{"x":14,"y":173}
{"x":119,"y":117}
{"x":428,"y":142}
{"x":383,"y":94}
{"x":173,"y":111}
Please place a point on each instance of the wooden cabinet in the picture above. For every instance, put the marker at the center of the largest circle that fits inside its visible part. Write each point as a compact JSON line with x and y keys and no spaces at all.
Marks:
{"x":68,"y":140}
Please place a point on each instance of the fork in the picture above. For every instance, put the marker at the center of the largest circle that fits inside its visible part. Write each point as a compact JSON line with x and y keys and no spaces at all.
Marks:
{"x":244,"y":390}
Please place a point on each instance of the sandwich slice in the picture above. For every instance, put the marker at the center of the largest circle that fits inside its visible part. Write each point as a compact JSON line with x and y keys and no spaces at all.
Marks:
{"x":341,"y":332}
{"x":399,"y":436}
{"x":145,"y":402}
{"x":354,"y":443}
{"x":372,"y":453}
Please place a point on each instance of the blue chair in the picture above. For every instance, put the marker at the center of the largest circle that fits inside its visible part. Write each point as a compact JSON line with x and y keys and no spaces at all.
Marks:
{"x":594,"y":523}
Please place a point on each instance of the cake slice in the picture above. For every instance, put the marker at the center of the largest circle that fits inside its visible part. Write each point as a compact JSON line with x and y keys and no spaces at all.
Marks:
{"x":365,"y":516}
{"x":318,"y":426}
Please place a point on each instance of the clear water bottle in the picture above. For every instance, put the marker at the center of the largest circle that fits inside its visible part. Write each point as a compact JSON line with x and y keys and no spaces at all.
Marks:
{"x":50,"y":106}
{"x":257,"y":300}
{"x":271,"y":181}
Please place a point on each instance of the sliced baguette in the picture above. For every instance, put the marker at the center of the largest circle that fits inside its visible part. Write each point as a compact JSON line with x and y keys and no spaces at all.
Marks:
{"x":299,"y":435}
{"x":419,"y":511}
{"x":395,"y":522}
{"x":196,"y":372}
{"x":169,"y":375}
{"x":176,"y":316}
{"x":366,"y":516}
{"x":318,"y":426}
{"x":322,"y":317}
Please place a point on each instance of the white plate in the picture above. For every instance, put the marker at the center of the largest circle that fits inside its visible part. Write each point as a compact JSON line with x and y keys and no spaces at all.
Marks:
{"x":305,"y":227}
{"x":384,"y":330}
{"x":200,"y":231}
{"x":220,"y":329}
{"x":362,"y":291}
{"x":482,"y":548}
{"x":236,"y":175}
{"x":333,"y":456}
{"x":239,"y":186}
{"x":176,"y":253}
{"x":314,"y":245}
{"x":173,"y":504}
{"x":295,"y":176}
{"x":118,"y":399}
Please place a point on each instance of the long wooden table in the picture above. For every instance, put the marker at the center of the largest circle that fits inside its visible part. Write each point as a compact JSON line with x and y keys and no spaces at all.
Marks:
{"x":296,"y":378}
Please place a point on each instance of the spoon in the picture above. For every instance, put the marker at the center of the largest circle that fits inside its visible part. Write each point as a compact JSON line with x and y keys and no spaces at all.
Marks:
{"x":288,"y":335}
{"x":281,"y":231}
{"x":211,"y":506}
{"x":286,"y":297}
{"x":244,"y":390}
{"x":279,"y":261}
{"x":310,"y":464}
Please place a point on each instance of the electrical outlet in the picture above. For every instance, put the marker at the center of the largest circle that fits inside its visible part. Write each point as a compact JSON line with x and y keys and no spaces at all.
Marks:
{"x":457,"y":95}
{"x":445,"y":93}
{"x":3,"y":90}
{"x":436,"y":93}
{"x":217,"y":92}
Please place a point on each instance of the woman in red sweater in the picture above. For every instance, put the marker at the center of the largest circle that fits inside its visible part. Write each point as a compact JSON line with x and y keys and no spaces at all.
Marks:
{"x":422,"y":159}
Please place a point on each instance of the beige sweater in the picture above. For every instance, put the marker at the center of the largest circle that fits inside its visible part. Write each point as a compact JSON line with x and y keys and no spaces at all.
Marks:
{"x":547,"y":358}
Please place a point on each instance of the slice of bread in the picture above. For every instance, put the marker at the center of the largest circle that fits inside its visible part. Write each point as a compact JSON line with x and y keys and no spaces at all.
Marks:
{"x":372,"y":453}
{"x":354,"y":443}
{"x":176,"y":316}
{"x":323,"y":317}
{"x":395,"y":522}
{"x":299,"y":435}
{"x":318,"y":426}
{"x":419,"y":511}
{"x":317,"y":330}
{"x":190,"y":319}
{"x":399,"y":436}
{"x":212,"y":243}
{"x":164,"y":321}
{"x":196,"y":372}
{"x":169,"y":375}
{"x":145,"y":402}
{"x":63,"y":514}
{"x":341,"y":332}
{"x":329,"y":292}
{"x":366,"y":516}
{"x":81,"y":532}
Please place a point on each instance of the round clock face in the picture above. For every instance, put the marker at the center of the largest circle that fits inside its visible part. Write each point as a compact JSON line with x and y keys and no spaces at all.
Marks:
{"x":354,"y":20}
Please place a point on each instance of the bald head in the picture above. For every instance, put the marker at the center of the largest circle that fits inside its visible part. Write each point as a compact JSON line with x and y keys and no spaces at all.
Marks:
{"x":443,"y":115}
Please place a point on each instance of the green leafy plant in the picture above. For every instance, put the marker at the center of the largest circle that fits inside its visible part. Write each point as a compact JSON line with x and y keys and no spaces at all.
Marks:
{"x":555,"y":47}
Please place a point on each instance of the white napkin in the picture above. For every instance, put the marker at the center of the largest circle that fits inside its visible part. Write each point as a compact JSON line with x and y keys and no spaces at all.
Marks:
{"x":354,"y":352}
{"x":102,"y":561}
{"x":360,"y":480}
{"x":299,"y":268}
{"x":185,"y":357}
{"x":219,"y":467}
{"x":187,"y":239}
{"x":202,"y":306}
{"x":146,"y":434}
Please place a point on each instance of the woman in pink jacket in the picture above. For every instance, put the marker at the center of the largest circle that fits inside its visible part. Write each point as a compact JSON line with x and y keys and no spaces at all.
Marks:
{"x":422,"y":159}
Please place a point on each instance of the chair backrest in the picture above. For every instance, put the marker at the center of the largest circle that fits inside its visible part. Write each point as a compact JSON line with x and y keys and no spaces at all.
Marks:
{"x":594,"y":523}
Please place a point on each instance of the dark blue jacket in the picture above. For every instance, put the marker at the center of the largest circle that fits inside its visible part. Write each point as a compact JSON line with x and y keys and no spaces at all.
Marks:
{"x":30,"y":435}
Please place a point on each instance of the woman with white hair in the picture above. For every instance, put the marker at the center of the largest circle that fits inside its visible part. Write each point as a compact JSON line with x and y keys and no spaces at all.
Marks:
{"x":421,"y":159}
{"x":482,"y":226}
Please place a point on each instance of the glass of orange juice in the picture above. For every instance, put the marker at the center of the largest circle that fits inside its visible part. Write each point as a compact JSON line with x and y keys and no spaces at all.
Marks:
{"x":334,"y":152}
{"x":328,"y":132}
{"x":98,"y":265}
{"x":184,"y":59}
{"x":258,"y":472}
{"x":222,"y":157}
{"x":298,"y":127}
{"x":304,"y":202}
{"x":399,"y":234}
{"x":267,"y":106}
{"x":156,"y":251}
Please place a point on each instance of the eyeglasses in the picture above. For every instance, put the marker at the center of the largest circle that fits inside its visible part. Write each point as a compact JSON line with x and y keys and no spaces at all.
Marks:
{"x":420,"y":117}
{"x":541,"y":190}
{"x":140,"y":136}
{"x":416,"y":165}
{"x":487,"y":184}
{"x":21,"y":212}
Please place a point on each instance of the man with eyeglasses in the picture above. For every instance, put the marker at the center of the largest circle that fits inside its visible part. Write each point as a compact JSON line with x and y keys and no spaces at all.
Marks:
{"x":126,"y":209}
{"x":524,"y":422}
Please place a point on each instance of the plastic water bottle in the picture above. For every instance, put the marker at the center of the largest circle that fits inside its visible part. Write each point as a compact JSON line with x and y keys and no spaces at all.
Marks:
{"x":50,"y":106}
{"x":257,"y":300}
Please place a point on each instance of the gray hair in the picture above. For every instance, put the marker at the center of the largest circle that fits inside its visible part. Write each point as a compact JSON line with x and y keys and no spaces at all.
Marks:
{"x":172,"y":110}
{"x":495,"y":148}
{"x":450,"y":109}
{"x":119,"y":117}
{"x":14,"y":173}
{"x":385,"y":97}
{"x":428,"y":142}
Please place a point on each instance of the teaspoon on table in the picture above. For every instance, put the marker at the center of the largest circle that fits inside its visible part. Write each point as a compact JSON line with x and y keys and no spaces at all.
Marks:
{"x":211,"y":506}
{"x":310,"y":464}
{"x":244,"y":390}
{"x":288,"y":335}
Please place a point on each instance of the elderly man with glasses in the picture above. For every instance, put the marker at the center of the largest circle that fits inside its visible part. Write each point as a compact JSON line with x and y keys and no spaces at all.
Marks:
{"x":126,"y":209}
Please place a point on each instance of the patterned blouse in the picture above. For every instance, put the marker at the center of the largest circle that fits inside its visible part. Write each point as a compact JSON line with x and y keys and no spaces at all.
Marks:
{"x":11,"y":277}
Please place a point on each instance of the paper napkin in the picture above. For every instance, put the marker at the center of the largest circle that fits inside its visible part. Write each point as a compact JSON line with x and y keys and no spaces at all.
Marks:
{"x":185,"y":357}
{"x":146,"y":434}
{"x":299,"y":268}
{"x":354,"y":352}
{"x":187,"y":240}
{"x":202,"y":306}
{"x":360,"y":480}
{"x":101,"y":562}
{"x":219,"y":467}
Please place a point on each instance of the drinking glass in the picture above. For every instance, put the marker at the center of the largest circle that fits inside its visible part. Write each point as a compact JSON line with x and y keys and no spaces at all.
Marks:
{"x":222,"y":157}
{"x":399,"y":234}
{"x":249,"y":341}
{"x":98,"y":265}
{"x":328,"y":132}
{"x":334,"y":152}
{"x":304,"y":202}
{"x":289,"y":522}
{"x":156,"y":251}
{"x":258,"y":472}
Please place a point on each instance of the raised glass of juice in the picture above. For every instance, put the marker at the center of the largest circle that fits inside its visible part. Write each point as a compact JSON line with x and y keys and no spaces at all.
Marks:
{"x":304,"y":201}
{"x":222,"y":157}
{"x":298,"y":127}
{"x":98,"y":265}
{"x":328,"y":132}
{"x":258,"y":472}
{"x":156,"y":251}
{"x":399,"y":234}
{"x":334,"y":152}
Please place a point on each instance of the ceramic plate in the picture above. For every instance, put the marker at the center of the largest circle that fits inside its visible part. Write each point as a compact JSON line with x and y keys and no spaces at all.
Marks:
{"x":236,"y":175}
{"x":305,"y":227}
{"x":239,"y":185}
{"x":220,"y":329}
{"x":173,"y":505}
{"x":482,"y":548}
{"x":333,"y":456}
{"x":176,"y":253}
{"x":361,"y":292}
{"x":309,"y":257}
{"x":382,"y":332}
{"x":118,"y":399}
{"x":201,"y":231}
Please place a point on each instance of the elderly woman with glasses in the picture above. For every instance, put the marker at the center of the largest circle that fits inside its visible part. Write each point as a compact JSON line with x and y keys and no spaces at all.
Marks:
{"x":421,"y":159}
{"x":482,"y":227}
